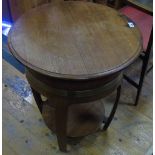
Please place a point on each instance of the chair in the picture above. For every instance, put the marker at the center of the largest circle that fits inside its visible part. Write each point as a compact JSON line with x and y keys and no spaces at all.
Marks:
{"x":144,"y":20}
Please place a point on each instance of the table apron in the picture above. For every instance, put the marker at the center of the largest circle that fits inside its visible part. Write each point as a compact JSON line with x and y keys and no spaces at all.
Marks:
{"x":75,"y":94}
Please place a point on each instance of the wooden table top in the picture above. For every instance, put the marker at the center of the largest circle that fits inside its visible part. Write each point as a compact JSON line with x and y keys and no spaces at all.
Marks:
{"x":77,"y":40}
{"x":145,"y":4}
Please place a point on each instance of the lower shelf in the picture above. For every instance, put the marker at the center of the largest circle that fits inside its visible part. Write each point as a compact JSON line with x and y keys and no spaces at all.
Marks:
{"x":83,"y":119}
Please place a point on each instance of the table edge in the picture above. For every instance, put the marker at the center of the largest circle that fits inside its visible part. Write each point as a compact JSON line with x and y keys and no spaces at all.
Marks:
{"x":74,"y":77}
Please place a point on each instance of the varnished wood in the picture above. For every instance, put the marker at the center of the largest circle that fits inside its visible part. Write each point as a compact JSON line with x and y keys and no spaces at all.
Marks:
{"x":112,"y":113}
{"x":61,"y":98}
{"x":74,"y":61}
{"x":80,"y":94}
{"x":61,"y":117}
{"x":83,"y":119}
{"x":19,"y":7}
{"x":38,"y":99}
{"x":131,"y":129}
{"x":75,"y":40}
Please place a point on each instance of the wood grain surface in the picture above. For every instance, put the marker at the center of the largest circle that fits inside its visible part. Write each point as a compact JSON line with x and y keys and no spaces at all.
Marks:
{"x":74,"y":40}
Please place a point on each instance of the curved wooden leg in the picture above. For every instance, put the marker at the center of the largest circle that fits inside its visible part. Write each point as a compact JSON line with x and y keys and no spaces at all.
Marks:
{"x":108,"y":120}
{"x":38,"y":99}
{"x":61,"y":113}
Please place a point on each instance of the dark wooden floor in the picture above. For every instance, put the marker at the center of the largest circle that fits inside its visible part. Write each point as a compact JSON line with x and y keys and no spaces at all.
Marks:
{"x":25,"y":133}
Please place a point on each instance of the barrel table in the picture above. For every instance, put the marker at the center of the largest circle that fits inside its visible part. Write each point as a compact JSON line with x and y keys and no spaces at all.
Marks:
{"x":74,"y":53}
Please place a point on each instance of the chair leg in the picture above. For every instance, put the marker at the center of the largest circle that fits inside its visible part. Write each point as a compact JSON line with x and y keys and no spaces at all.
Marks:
{"x":38,"y":99}
{"x":61,"y":113}
{"x":144,"y":66}
{"x":109,"y":119}
{"x":142,"y":76}
{"x":149,"y":69}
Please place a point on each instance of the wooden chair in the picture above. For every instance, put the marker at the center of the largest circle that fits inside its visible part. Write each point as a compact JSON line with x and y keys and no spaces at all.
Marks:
{"x":143,"y":18}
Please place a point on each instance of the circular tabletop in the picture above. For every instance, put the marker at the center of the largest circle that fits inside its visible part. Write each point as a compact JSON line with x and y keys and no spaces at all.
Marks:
{"x":76,"y":40}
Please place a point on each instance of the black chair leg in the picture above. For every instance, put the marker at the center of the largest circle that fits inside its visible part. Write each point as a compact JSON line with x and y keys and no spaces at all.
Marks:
{"x":142,"y":76}
{"x":109,"y":119}
{"x":149,"y":69}
{"x":145,"y":60}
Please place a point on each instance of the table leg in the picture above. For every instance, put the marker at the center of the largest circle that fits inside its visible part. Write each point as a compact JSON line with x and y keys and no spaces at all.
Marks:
{"x":108,"y":120}
{"x":61,"y":113}
{"x":38,"y":99}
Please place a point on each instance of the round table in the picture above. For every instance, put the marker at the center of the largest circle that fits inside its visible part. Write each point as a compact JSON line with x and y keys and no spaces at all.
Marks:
{"x":74,"y":52}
